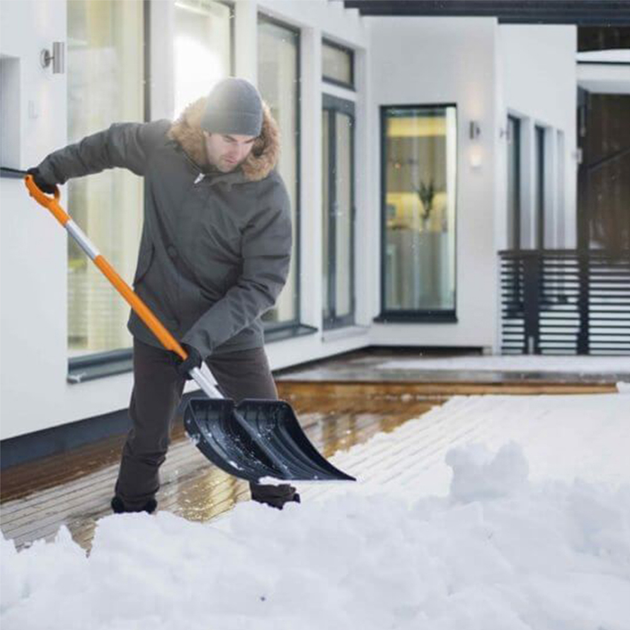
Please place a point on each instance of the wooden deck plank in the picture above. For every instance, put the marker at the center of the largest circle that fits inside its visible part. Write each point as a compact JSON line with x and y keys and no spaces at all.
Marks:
{"x":182,"y":458}
{"x":35,"y":505}
{"x":74,"y":489}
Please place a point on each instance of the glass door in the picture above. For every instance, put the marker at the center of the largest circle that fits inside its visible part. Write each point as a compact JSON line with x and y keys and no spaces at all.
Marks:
{"x":514,"y":183}
{"x":539,"y":188}
{"x":338,"y":212}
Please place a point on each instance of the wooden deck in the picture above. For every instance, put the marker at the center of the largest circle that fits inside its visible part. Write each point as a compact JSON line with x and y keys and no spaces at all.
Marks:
{"x":74,"y":488}
{"x":369,"y":366}
{"x":340,"y":403}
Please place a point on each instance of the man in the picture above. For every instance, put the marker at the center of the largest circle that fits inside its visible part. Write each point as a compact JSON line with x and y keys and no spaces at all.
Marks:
{"x":214,"y":255}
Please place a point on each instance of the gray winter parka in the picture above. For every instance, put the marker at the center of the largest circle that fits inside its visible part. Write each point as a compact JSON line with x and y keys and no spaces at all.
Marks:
{"x":215,"y":247}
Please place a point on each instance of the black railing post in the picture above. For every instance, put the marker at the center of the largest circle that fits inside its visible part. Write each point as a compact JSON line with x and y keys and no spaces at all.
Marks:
{"x":531,"y":303}
{"x":583,"y":303}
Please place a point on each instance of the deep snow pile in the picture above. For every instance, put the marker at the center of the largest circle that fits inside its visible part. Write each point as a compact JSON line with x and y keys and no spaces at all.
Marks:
{"x":499,"y":552}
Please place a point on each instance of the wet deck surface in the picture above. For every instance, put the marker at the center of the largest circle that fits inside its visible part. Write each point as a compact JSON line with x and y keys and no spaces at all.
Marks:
{"x":340,"y":402}
{"x":369,"y":366}
{"x":74,"y":489}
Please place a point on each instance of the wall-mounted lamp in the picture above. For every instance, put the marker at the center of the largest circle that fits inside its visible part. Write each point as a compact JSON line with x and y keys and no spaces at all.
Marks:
{"x":474,"y":130}
{"x":475,"y":157}
{"x":57,"y":57}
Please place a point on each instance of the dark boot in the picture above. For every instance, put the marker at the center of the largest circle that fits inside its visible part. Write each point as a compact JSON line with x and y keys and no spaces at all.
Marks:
{"x":120,"y":508}
{"x":275,"y":496}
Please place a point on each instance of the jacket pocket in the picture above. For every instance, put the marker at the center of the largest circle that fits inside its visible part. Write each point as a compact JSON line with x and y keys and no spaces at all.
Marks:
{"x":145,"y":258}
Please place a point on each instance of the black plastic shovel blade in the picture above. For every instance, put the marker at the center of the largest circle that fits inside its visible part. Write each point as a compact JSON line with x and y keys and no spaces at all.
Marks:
{"x":255,"y":439}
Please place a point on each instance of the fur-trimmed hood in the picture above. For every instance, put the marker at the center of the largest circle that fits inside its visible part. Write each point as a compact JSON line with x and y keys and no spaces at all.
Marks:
{"x":187,"y":132}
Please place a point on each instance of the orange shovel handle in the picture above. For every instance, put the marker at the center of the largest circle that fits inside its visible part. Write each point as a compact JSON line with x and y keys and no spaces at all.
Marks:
{"x":140,"y":308}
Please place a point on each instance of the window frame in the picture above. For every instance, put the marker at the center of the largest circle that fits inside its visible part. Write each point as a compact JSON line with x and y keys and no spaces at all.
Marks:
{"x":231,"y":6}
{"x":515,"y":234}
{"x":232,"y":68}
{"x":419,"y":316}
{"x":120,"y":360}
{"x":540,"y":153}
{"x":332,"y":105}
{"x":333,"y":81}
{"x":295,"y":323}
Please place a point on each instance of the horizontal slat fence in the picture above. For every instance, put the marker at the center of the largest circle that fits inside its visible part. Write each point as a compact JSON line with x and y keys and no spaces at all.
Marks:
{"x":565,"y":302}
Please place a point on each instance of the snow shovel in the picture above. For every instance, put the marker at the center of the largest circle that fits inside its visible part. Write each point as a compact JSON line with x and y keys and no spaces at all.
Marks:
{"x":251,"y":440}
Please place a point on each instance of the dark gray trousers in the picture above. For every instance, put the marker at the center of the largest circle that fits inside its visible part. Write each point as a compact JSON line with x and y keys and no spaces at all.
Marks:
{"x":157,"y":392}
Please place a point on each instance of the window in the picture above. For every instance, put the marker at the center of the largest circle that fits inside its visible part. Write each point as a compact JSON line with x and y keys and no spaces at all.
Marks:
{"x":539,"y":187}
{"x":105,"y":85}
{"x":203,"y":48}
{"x":514,"y":183}
{"x":419,"y":163}
{"x":338,"y":212}
{"x":337,"y":64}
{"x":279,"y":85}
{"x":560,"y":227}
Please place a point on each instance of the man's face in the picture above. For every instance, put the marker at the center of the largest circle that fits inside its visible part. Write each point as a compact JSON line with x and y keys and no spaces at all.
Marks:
{"x":227,"y":151}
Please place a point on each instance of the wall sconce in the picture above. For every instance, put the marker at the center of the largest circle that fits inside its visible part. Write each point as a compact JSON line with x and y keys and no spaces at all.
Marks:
{"x":476,"y":158}
{"x":57,"y":57}
{"x":474,"y":130}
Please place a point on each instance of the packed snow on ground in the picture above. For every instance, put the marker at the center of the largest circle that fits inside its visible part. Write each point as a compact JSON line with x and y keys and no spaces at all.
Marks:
{"x":529,"y":363}
{"x":503,"y":547}
{"x":563,"y":437}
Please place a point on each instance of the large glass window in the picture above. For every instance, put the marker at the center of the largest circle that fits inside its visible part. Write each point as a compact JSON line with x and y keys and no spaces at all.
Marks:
{"x":203,"y":44}
{"x":105,"y":85}
{"x":419,"y":145}
{"x":279,"y":85}
{"x":338,"y":212}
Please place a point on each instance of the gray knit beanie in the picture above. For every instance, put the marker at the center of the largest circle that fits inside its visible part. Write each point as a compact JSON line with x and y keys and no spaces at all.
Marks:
{"x":233,"y":106}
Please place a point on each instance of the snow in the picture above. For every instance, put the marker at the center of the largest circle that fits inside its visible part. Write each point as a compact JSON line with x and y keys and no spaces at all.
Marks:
{"x":527,"y":363}
{"x":507,"y":513}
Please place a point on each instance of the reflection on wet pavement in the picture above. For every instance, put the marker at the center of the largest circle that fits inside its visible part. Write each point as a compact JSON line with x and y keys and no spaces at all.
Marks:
{"x":74,"y":489}
{"x":340,"y":402}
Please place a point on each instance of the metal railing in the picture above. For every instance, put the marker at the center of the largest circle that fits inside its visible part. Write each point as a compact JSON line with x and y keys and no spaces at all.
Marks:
{"x":565,"y":302}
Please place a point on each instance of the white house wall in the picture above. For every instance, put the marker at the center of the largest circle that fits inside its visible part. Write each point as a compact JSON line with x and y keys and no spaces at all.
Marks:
{"x":33,"y":327}
{"x":444,"y":60}
{"x":538,"y":83}
{"x":33,"y":248}
{"x":412,"y":60}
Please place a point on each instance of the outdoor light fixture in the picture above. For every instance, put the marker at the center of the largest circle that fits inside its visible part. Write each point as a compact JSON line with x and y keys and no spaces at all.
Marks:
{"x":476,"y":159}
{"x":475,"y":130}
{"x":57,"y":57}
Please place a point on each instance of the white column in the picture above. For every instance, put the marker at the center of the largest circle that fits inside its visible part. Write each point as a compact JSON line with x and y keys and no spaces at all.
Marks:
{"x":527,"y":192}
{"x":311,"y":304}
{"x":367,"y":250}
{"x":551,"y":189}
{"x":246,"y":40}
{"x":162,"y":71}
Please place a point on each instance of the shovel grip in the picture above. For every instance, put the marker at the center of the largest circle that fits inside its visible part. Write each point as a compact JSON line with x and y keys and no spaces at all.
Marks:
{"x":50,"y":203}
{"x":139,"y":307}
